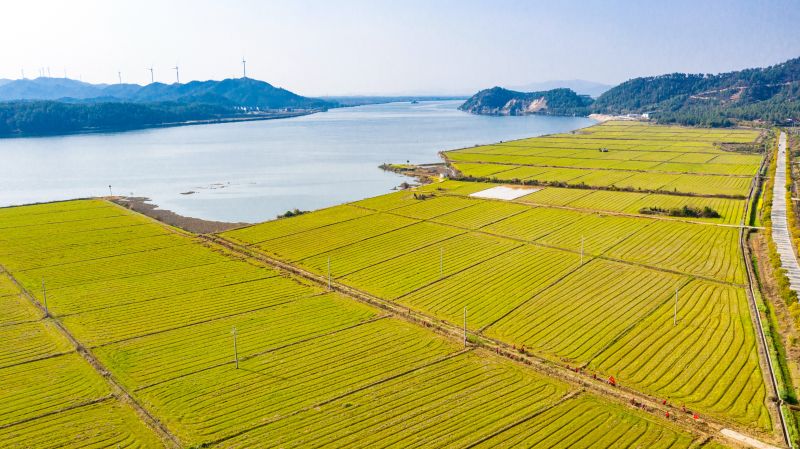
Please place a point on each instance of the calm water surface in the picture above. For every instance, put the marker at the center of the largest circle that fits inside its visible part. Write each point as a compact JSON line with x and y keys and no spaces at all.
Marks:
{"x":253,"y":171}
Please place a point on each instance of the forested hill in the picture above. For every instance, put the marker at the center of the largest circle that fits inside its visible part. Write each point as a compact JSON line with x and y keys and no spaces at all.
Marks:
{"x":499,"y":101}
{"x":59,"y":105}
{"x":232,"y":92}
{"x":771,"y":93}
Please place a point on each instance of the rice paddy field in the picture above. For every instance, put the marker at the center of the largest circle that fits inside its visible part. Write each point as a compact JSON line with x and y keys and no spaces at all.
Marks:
{"x":582,"y":277}
{"x":621,"y":155}
{"x":119,"y":331}
{"x":224,"y":351}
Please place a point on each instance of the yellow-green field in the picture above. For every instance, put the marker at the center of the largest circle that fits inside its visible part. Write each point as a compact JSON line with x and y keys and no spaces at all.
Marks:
{"x":623,"y":155}
{"x":156,"y":307}
{"x":568,"y":284}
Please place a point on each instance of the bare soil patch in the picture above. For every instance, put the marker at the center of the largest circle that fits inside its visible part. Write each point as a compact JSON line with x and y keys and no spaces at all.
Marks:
{"x":195,"y":225}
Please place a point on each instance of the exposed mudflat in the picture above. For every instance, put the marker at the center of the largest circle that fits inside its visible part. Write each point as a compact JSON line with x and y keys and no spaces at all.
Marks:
{"x":195,"y":225}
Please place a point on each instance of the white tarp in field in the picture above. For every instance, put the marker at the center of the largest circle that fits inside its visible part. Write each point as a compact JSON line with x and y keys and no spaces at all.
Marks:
{"x":506,"y":192}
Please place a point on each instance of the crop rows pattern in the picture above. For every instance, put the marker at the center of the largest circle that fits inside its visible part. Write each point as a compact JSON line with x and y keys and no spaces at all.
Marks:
{"x":157,"y":308}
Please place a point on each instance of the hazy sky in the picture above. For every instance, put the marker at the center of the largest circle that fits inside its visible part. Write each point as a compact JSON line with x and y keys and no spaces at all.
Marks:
{"x":367,"y":47}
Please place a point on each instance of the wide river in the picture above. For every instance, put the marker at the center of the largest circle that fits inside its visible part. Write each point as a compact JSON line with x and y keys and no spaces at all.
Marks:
{"x":255,"y":170}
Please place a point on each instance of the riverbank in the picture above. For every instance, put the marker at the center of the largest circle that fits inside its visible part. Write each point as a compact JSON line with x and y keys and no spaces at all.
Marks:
{"x":191,"y":224}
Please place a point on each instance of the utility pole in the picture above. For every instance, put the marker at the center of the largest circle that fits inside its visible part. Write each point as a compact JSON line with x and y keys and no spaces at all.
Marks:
{"x":330,"y":287}
{"x":675,"y":314}
{"x":235,"y":350}
{"x":44,"y":296}
{"x":581,"y":250}
{"x":110,"y":193}
{"x":465,"y":327}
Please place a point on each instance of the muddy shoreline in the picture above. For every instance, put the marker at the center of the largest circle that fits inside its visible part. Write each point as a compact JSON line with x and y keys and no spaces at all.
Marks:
{"x":194,"y":225}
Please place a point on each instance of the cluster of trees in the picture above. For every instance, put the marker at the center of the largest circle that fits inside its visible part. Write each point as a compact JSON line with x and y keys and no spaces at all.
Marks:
{"x":53,"y":117}
{"x":685,"y":211}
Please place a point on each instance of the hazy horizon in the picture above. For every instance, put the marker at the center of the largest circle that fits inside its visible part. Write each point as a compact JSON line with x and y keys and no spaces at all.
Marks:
{"x":380,"y":48}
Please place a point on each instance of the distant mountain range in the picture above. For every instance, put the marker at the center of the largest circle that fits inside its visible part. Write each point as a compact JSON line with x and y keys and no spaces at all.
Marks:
{"x":45,"y":106}
{"x":770,"y":94}
{"x":234,"y":92}
{"x":581,"y":87}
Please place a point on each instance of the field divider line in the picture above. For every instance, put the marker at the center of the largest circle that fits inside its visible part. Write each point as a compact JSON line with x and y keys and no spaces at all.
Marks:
{"x":594,"y":150}
{"x":631,"y":326}
{"x":570,"y":395}
{"x":47,"y":249}
{"x":116,"y":387}
{"x":353,"y":242}
{"x":563,"y":184}
{"x":144,"y":301}
{"x":455,"y":273}
{"x":598,"y":256}
{"x":17,"y":323}
{"x":61,"y":410}
{"x":610,"y":212}
{"x":335,"y":398}
{"x":59,"y":222}
{"x":418,"y":248}
{"x":535,"y":295}
{"x":131,"y":276}
{"x":591,"y":169}
{"x":209,"y":320}
{"x":37,"y":359}
{"x":619,"y":394}
{"x":304,"y":230}
{"x":265,"y":352}
{"x":103,"y":257}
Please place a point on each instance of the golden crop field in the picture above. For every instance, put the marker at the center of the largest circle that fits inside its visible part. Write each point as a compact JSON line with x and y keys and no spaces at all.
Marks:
{"x":136,"y":305}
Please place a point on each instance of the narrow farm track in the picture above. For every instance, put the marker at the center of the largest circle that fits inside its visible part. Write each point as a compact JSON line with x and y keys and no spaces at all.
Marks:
{"x":780,"y":226}
{"x":621,"y":394}
{"x":778,"y":194}
{"x":116,"y":386}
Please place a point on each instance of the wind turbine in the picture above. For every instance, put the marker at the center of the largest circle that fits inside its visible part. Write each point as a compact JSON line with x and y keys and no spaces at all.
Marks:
{"x":119,"y":74}
{"x":177,"y":73}
{"x":151,"y":74}
{"x":23,"y":73}
{"x":244,"y":68}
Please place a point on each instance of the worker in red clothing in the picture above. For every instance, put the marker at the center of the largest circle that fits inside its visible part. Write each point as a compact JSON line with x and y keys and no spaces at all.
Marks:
{"x":612,"y":381}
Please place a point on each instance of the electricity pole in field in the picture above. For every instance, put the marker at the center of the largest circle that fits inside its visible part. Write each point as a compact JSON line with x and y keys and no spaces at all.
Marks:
{"x":330,"y":287}
{"x":581,"y":249}
{"x":441,"y":263}
{"x":235,"y":350}
{"x":44,"y":296}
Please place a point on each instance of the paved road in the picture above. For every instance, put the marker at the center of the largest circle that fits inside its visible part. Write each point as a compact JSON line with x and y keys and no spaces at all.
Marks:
{"x":780,"y":230}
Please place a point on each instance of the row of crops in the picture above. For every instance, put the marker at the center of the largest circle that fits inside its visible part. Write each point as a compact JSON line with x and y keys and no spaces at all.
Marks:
{"x":731,"y":211}
{"x":409,"y":225}
{"x":156,"y":307}
{"x":577,"y":286}
{"x":621,"y":155}
{"x":50,"y":395}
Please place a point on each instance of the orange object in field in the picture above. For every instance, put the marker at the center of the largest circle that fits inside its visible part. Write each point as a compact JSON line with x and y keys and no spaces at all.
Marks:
{"x":612,"y":381}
